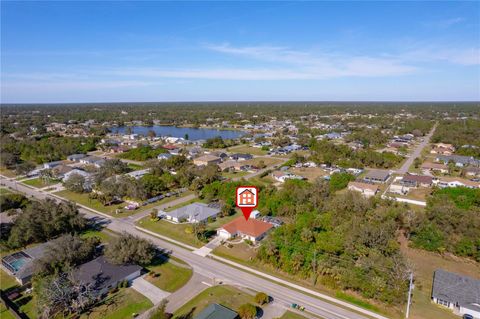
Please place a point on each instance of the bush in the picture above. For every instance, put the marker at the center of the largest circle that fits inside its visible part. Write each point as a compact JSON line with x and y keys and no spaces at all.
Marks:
{"x":247,"y":311}
{"x":262,"y":298}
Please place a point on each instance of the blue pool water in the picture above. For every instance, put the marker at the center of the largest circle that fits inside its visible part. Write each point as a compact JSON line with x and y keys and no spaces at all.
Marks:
{"x":18,"y":263}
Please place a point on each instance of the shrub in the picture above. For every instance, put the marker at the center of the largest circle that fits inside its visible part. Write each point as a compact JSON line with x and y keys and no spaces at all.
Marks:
{"x":247,"y":311}
{"x":262,"y":298}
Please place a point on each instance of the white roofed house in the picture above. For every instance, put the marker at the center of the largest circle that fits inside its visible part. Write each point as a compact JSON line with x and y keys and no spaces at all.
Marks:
{"x":192,"y":213}
{"x":138,"y":174}
{"x":367,"y":190}
{"x":92,"y":160}
{"x":206,"y":160}
{"x":51,"y":165}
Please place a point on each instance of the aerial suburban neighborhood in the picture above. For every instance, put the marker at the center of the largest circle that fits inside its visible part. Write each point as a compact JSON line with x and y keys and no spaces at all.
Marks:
{"x":240,"y":160}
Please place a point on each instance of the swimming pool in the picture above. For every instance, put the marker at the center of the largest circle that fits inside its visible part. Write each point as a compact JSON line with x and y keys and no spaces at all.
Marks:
{"x":15,"y":261}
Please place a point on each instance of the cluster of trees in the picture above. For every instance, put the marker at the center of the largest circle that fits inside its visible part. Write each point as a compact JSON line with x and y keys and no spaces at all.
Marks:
{"x":159,"y":180}
{"x":343,"y":240}
{"x":368,"y":137}
{"x":451,"y":222}
{"x":218,"y":142}
{"x":142,"y":153}
{"x":417,"y":127}
{"x":42,"y":220}
{"x":329,"y":153}
{"x":128,"y":249}
{"x":339,"y":181}
{"x":460,"y":133}
{"x":45,"y":149}
{"x":12,"y":201}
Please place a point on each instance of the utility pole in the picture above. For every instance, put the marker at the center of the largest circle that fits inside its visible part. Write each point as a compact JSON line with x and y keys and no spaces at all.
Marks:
{"x":410,"y":288}
{"x":314,"y":267}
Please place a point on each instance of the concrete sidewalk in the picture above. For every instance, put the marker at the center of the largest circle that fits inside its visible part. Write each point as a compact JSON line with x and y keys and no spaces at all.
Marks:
{"x":149,"y":290}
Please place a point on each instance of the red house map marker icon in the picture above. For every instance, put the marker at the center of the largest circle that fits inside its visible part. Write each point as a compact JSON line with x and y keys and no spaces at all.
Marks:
{"x":246,"y":199}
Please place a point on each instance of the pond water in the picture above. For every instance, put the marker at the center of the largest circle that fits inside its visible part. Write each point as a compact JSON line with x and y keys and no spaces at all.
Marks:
{"x":174,"y":131}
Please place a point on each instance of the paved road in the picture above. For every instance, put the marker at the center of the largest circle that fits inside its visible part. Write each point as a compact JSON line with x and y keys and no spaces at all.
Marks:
{"x":417,"y":152}
{"x":219,"y":271}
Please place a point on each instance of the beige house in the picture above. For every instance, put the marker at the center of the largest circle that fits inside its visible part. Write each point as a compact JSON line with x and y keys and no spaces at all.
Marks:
{"x":367,"y":190}
{"x":206,"y":160}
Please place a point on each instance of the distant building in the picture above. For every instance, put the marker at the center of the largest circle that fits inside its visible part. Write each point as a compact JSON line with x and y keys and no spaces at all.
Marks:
{"x":164,"y":156}
{"x":411,"y":180}
{"x":138,"y":174}
{"x":456,"y":292}
{"x":216,"y":311}
{"x":377,"y":176}
{"x":75,"y":157}
{"x":253,"y":229}
{"x":241,"y":157}
{"x":459,"y":160}
{"x":436,"y":167}
{"x":51,"y":165}
{"x":206,"y":160}
{"x":92,"y":160}
{"x":367,"y":190}
{"x":456,"y":182}
{"x":283,"y":176}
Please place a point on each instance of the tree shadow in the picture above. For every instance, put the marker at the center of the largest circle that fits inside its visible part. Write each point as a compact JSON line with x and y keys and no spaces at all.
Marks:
{"x":188,"y":315}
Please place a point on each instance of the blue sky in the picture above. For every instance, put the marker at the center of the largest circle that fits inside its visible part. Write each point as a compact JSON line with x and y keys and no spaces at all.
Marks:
{"x":198,"y":51}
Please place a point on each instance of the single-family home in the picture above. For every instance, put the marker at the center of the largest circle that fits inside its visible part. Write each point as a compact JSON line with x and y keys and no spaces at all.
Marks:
{"x":283,"y":176}
{"x":192,"y":213}
{"x":75,"y":157}
{"x":103,"y":276}
{"x":216,"y":311}
{"x":472,"y":171}
{"x":411,"y":180}
{"x":377,"y":176}
{"x":59,"y":171}
{"x":241,"y":157}
{"x":206,"y":160}
{"x":455,"y":182}
{"x":92,"y":160}
{"x":21,"y":264}
{"x":51,"y":165}
{"x":442,"y":149}
{"x":251,"y":229}
{"x":459,"y":160}
{"x":456,"y":292}
{"x":138,"y":174}
{"x":436,"y":167}
{"x":367,"y":190}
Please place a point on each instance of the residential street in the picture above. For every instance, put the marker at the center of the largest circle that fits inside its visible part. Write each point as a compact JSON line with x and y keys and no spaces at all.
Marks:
{"x":282,"y":291}
{"x":417,"y":152}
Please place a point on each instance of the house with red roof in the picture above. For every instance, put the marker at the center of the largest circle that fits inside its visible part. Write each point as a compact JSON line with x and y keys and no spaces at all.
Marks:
{"x":251,"y":229}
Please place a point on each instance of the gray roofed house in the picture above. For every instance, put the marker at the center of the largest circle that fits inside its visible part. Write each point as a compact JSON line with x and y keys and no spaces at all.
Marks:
{"x":457,"y":292}
{"x":193,"y":213}
{"x":377,"y":176}
{"x":104,"y":275}
{"x":21,"y":264}
{"x":459,"y":160}
{"x":216,"y":311}
{"x":75,"y":157}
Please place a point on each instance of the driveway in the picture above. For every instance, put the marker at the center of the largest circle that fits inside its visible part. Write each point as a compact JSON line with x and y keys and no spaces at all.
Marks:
{"x":149,"y":290}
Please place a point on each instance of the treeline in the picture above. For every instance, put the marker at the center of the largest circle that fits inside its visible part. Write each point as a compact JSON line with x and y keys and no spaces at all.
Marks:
{"x":460,"y":133}
{"x":325,"y":152}
{"x":46,"y":149}
{"x":451,"y":223}
{"x":417,"y":127}
{"x":142,"y":153}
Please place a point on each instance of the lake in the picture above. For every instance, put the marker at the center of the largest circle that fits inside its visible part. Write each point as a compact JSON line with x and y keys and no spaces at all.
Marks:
{"x":174,"y":131}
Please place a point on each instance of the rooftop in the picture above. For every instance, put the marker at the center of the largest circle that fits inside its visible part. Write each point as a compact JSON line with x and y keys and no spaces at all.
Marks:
{"x":250,"y":227}
{"x":456,"y":288}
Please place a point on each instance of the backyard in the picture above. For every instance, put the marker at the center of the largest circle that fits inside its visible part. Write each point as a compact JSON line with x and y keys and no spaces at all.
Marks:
{"x":227,"y":296}
{"x":169,"y":275}
{"x":119,"y":305}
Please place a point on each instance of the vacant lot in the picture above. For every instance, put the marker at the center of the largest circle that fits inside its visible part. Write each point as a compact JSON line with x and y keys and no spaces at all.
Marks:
{"x":169,"y":275}
{"x":310,"y":173}
{"x":227,"y":296}
{"x":94,"y":204}
{"x":268,"y":161}
{"x":120,"y":305}
{"x":40,"y":182}
{"x":238,"y":252}
{"x":248,"y":150}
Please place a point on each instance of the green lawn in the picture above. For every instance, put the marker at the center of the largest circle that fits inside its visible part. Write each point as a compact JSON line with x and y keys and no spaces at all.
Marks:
{"x":169,"y":276}
{"x":110,"y":210}
{"x":120,"y":305}
{"x":7,"y":172}
{"x":5,"y":191}
{"x":5,"y":313}
{"x":227,"y":296}
{"x":292,"y":315}
{"x":234,"y":174}
{"x":134,"y":167}
{"x":180,"y":232}
{"x":105,"y":235}
{"x":7,"y":281}
{"x":40,"y":182}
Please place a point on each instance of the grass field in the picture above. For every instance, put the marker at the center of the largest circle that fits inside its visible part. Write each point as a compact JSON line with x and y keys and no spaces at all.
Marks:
{"x":7,"y":281}
{"x":40,"y":182}
{"x":227,"y":296}
{"x":134,"y":167}
{"x":120,"y":305}
{"x":7,"y":172}
{"x":310,"y":173}
{"x":248,"y":150}
{"x":234,"y":174}
{"x":268,"y":161}
{"x":4,"y":313}
{"x":105,"y":235}
{"x":169,"y":276}
{"x":5,"y":191}
{"x":110,"y":210}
